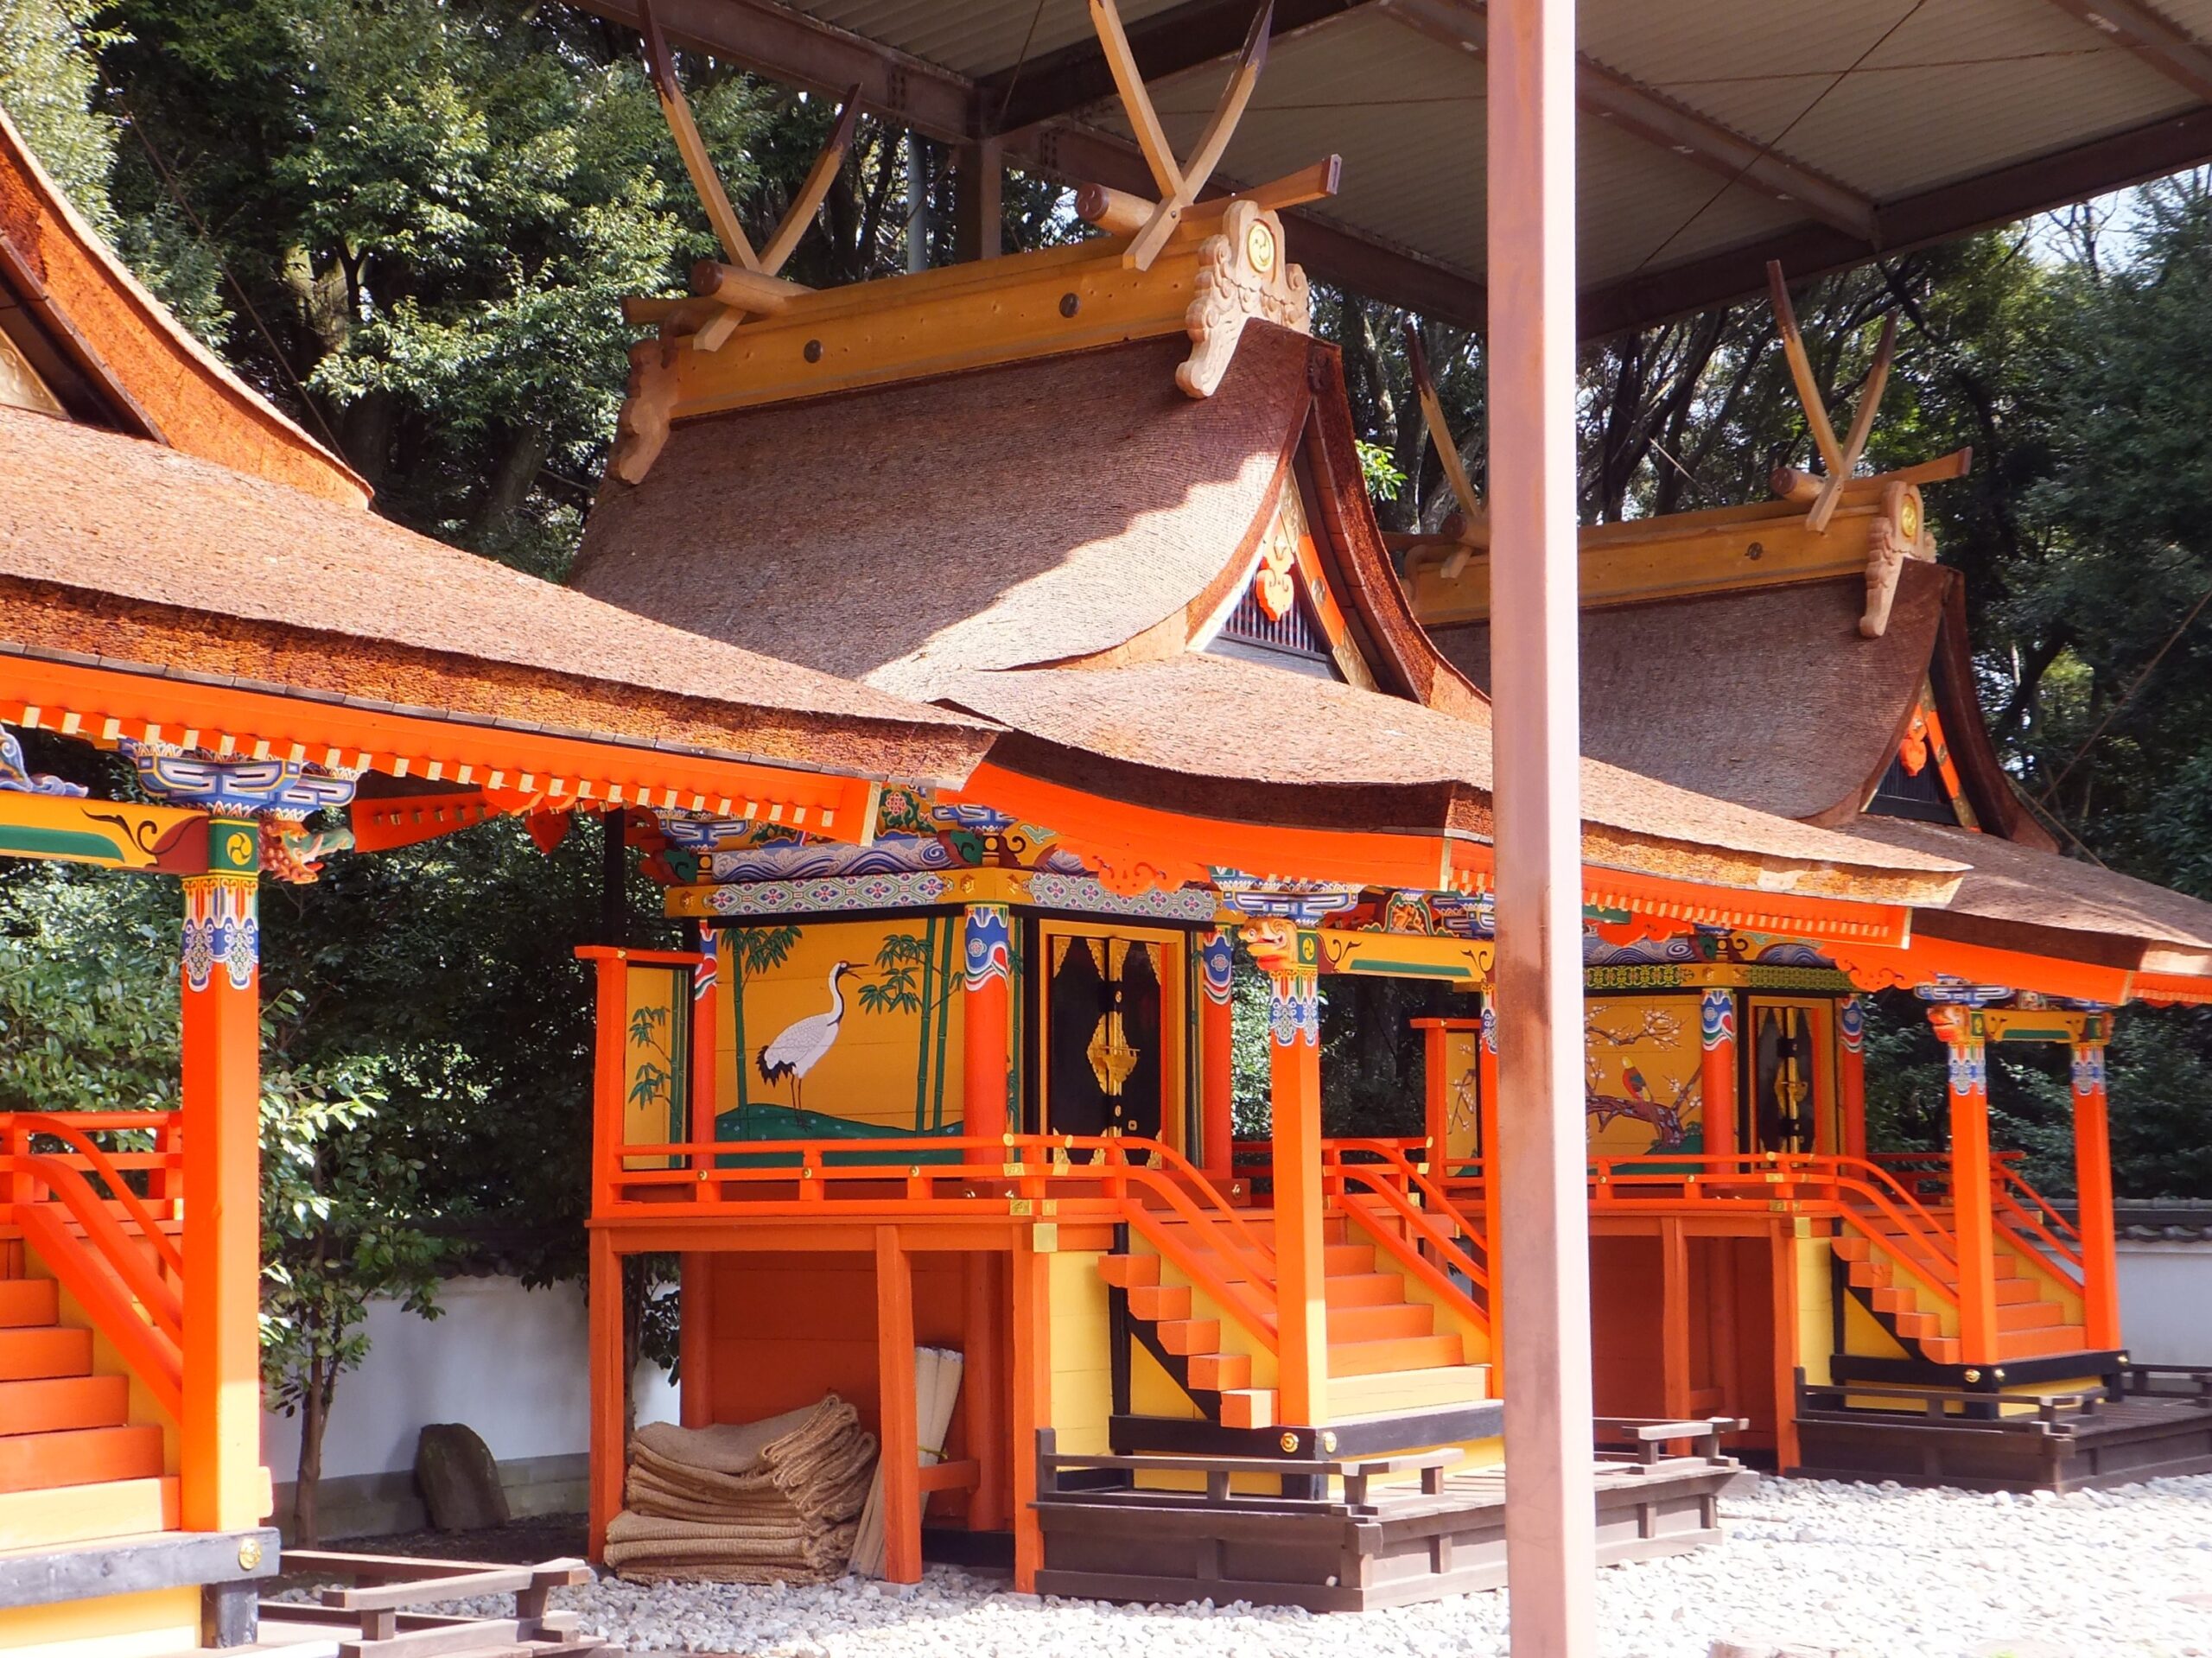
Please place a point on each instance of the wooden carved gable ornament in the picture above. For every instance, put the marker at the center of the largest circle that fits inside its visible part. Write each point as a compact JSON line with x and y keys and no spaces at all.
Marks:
{"x":1242,"y":274}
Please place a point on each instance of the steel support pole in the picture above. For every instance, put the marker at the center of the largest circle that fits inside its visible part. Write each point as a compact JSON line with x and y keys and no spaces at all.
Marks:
{"x":1543,"y":1218}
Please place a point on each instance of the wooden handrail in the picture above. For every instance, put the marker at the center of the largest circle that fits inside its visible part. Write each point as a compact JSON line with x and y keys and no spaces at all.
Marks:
{"x":1404,"y":1254}
{"x":27,"y":1124}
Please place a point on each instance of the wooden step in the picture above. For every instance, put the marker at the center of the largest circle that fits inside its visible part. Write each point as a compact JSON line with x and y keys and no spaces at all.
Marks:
{"x":53,"y":1403}
{"x":1153,"y":1302}
{"x":91,"y":1456}
{"x":2040,"y":1343}
{"x":1399,"y":1353}
{"x":28,"y":1301}
{"x":1188,"y":1335}
{"x":1406,"y":1392}
{"x":1218,"y":1372}
{"x":86,"y":1514}
{"x":1382,"y":1323}
{"x":49,"y":1350}
{"x":1351,"y":1260}
{"x":2029,"y":1315}
{"x":1365,"y":1290}
{"x":2016,"y":1289}
{"x":1127,"y":1271}
{"x":1249,"y":1408}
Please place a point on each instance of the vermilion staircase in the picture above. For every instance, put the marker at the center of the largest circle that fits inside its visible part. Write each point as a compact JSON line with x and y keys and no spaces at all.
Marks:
{"x":1386,"y":1352}
{"x":2031,"y":1321}
{"x":73,"y":1467}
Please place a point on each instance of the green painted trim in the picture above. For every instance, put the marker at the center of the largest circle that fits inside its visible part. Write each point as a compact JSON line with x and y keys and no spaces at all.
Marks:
{"x":73,"y":845}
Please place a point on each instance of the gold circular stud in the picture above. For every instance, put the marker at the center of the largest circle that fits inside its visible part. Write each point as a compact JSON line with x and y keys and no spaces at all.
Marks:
{"x":1288,"y":1442}
{"x":250,"y":1554}
{"x":1328,"y":1440}
{"x":1260,"y":246}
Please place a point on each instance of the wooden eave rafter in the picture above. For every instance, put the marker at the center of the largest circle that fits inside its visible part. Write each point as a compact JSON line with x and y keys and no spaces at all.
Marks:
{"x":1140,"y":847}
{"x":104,"y":703}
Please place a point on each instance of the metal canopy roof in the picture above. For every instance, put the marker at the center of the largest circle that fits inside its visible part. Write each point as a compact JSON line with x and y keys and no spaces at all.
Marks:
{"x":1715,"y":135}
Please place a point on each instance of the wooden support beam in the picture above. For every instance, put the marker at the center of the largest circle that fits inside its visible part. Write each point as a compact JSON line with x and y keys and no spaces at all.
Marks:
{"x":2001,"y":196}
{"x":979,"y":199}
{"x":603,"y":1300}
{"x":744,"y":290}
{"x":1165,"y":44}
{"x":1960,"y":1031}
{"x":1215,"y":952}
{"x":897,"y":1429}
{"x":1673,"y":1317}
{"x":2162,"y":43}
{"x":2092,"y":1185}
{"x":1536,"y":1188}
{"x":219,"y":1433}
{"x":1717,"y":1069}
{"x":1851,"y":1069}
{"x":986,"y":1024}
{"x":1661,"y":122}
{"x":983,"y":1386}
{"x":1118,"y":212}
{"x":1033,"y":1397}
{"x":1291,"y":958}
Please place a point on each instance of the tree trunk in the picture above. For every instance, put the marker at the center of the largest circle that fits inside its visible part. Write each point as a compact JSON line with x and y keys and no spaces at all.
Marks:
{"x":520,"y":461}
{"x":314,"y":1413}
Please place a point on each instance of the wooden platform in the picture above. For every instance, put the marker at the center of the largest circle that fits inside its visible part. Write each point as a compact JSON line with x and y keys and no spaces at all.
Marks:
{"x":2069,"y":1443}
{"x":1372,"y":1544}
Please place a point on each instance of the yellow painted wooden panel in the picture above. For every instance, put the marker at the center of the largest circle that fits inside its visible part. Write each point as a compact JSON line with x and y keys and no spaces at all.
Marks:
{"x":1641,"y":1081}
{"x":114,"y":1626}
{"x":858,"y":1021}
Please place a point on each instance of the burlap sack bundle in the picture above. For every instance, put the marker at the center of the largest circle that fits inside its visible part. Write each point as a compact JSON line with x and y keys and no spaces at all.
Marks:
{"x":772,"y":1501}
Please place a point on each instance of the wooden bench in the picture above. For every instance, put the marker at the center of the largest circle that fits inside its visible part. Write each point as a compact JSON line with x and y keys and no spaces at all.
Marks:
{"x":379,"y":1590}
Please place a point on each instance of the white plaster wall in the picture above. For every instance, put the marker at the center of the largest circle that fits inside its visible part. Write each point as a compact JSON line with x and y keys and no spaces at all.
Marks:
{"x":2166,"y":1301}
{"x":509,"y":1362}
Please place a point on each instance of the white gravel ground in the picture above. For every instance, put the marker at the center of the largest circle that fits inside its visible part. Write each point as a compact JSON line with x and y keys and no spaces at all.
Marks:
{"x":1809,"y":1566}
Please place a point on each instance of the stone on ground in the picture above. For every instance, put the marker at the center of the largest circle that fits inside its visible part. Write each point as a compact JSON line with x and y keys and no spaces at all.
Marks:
{"x":459,"y":1478}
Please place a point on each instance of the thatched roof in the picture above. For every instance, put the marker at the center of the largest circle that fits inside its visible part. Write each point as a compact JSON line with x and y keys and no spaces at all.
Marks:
{"x":1042,"y":544}
{"x":2021,"y":898}
{"x":1217,"y":737}
{"x":115,"y":355}
{"x":165,"y":563}
{"x":1767,"y":697}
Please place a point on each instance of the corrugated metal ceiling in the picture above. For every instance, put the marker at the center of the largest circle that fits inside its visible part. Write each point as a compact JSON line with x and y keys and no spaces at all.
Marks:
{"x":1886,"y":98}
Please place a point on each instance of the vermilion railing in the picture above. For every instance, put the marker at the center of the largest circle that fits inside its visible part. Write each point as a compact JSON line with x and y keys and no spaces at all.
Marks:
{"x":1426,"y":1242}
{"x":1120,"y":1179}
{"x":1857,"y":1191}
{"x":110,"y":1248}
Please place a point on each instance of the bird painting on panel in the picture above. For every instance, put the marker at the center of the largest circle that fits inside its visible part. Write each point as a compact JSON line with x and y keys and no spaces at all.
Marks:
{"x":800,"y":1045}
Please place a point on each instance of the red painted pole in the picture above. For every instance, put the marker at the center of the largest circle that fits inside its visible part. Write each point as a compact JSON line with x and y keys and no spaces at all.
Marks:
{"x":1962,"y":1034}
{"x":1851,"y":1067}
{"x":2093,"y":1186}
{"x":986,"y":1026}
{"x":1717,"y":1069}
{"x":1217,"y":1105}
{"x":220,"y":1484}
{"x":1291,"y":958}
{"x":1539,"y":1182}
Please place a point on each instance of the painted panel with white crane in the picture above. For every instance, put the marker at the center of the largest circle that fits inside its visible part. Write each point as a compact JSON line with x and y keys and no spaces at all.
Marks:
{"x":840,"y":1029}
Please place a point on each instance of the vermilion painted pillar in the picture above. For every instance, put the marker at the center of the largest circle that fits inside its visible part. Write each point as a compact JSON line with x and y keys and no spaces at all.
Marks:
{"x":1716,"y":1021}
{"x":1031,"y":1348}
{"x":1539,"y":1180}
{"x":695,"y":1330}
{"x":1851,"y":1066}
{"x":986,"y":1026}
{"x":1486,"y":1135}
{"x":1962,"y":1031}
{"x":2092,"y":1185}
{"x":898,"y":1433}
{"x":1217,"y":1126}
{"x":221,"y":1487}
{"x":609,"y":1448}
{"x":1291,"y":958}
